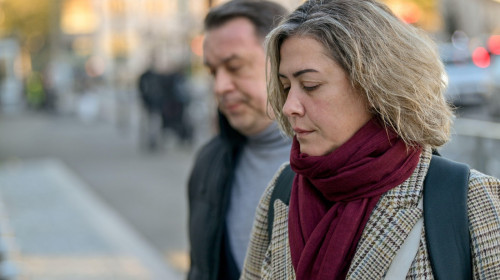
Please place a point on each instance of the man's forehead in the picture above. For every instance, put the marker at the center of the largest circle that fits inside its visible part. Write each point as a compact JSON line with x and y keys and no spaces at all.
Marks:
{"x":221,"y":60}
{"x":229,"y":41}
{"x":239,"y":23}
{"x":237,"y":30}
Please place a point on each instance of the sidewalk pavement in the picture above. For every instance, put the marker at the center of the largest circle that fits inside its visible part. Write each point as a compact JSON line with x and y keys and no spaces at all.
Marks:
{"x":54,"y":228}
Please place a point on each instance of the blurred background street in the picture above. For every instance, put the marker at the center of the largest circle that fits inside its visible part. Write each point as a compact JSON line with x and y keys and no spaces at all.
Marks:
{"x":104,"y":103}
{"x":147,"y":190}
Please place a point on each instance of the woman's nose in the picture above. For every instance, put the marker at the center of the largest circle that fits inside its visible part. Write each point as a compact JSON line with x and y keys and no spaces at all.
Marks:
{"x":293,"y":106}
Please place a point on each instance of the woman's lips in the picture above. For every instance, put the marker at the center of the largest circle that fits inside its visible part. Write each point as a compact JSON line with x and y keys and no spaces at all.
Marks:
{"x":302,"y":132}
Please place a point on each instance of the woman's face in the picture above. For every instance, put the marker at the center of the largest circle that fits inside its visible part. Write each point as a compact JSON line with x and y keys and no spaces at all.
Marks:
{"x":322,"y":107}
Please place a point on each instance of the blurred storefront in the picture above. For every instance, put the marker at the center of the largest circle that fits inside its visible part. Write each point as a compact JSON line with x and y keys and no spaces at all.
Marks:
{"x":423,"y":13}
{"x":111,"y":42}
{"x":102,"y":46}
{"x":475,"y":18}
{"x":443,"y":17}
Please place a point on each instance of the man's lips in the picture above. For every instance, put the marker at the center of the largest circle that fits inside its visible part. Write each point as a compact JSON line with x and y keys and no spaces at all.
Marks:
{"x":231,"y":106}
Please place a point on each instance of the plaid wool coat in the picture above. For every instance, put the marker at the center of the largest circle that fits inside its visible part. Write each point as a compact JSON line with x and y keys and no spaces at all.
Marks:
{"x":390,"y":222}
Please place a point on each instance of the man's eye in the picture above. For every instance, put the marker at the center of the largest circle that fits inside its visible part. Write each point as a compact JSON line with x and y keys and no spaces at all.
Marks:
{"x":233,"y":68}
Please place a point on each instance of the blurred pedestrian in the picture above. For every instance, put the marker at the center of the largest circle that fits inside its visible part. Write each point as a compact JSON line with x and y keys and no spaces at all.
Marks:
{"x":164,"y":100}
{"x":175,"y":100}
{"x":232,"y":170}
{"x":362,"y":94}
{"x":151,"y":95}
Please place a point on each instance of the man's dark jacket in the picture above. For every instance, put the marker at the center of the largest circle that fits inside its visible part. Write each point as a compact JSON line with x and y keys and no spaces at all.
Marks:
{"x":208,"y":193}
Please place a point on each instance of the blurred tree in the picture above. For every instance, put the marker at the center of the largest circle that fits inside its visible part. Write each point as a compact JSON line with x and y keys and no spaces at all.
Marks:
{"x":30,"y":22}
{"x":35,"y":95}
{"x":34,"y":25}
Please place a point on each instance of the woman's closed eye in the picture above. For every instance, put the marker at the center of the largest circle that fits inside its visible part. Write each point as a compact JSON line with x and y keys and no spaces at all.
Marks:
{"x":310,"y":87}
{"x":285,"y":87}
{"x":305,"y":87}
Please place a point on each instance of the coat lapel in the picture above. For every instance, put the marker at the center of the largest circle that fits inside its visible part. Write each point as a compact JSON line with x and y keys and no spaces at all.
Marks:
{"x":389,"y":225}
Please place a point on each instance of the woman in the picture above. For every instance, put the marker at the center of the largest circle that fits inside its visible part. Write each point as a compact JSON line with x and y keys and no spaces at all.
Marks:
{"x":362,"y":94}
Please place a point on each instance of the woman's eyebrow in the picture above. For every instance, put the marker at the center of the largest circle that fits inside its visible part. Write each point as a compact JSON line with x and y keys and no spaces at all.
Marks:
{"x":298,"y":73}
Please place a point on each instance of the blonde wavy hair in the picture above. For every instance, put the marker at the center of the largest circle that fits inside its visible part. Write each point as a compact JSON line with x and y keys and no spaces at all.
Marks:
{"x":394,"y":65}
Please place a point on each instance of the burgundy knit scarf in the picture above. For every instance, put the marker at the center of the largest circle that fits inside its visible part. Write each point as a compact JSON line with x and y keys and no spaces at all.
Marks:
{"x":334,"y":195}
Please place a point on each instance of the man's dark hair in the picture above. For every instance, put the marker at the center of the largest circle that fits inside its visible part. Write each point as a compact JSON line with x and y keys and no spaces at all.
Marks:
{"x":264,"y":15}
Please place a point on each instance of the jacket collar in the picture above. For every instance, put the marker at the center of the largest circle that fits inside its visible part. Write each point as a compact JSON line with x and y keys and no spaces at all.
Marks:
{"x":228,"y":133}
{"x":389,"y":225}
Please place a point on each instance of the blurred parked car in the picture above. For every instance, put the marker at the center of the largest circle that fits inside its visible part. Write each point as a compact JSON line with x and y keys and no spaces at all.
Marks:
{"x":468,"y":84}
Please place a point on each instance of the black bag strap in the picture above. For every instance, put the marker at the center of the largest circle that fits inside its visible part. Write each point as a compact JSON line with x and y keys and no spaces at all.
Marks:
{"x":282,"y":191}
{"x":446,"y":220}
{"x":445,"y":216}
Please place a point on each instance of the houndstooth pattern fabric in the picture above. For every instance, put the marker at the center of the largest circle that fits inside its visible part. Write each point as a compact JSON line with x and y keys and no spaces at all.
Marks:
{"x":484,"y":217}
{"x":263,"y":259}
{"x":421,"y":266}
{"x":388,"y":226}
{"x":279,"y":252}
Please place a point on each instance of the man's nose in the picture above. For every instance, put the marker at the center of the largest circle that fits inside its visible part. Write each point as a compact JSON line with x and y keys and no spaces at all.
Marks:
{"x":223,"y":82}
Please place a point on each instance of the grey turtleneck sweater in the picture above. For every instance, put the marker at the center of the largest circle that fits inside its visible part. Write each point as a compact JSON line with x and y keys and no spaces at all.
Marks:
{"x":261,"y":157}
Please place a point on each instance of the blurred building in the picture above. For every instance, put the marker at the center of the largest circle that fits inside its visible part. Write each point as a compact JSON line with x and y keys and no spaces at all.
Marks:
{"x":109,"y":43}
{"x":104,"y":45}
{"x":10,"y":82}
{"x":98,"y":48}
{"x":474,"y":17}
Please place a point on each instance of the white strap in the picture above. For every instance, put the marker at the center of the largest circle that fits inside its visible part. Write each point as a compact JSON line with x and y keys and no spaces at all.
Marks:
{"x":402,"y":261}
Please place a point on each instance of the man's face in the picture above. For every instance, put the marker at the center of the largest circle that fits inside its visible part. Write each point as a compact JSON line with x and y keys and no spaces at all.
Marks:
{"x":236,"y":59}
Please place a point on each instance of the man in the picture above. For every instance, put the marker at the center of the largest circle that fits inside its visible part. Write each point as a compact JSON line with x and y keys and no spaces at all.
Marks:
{"x":231,"y":171}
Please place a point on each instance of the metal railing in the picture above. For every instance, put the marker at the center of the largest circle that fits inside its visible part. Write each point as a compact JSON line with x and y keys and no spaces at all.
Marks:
{"x":476,"y":142}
